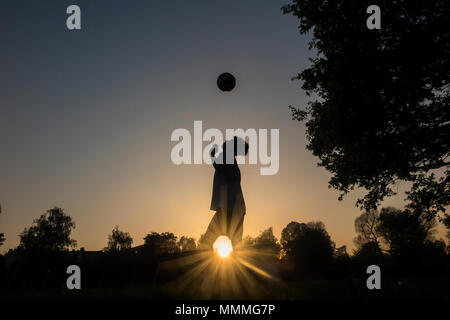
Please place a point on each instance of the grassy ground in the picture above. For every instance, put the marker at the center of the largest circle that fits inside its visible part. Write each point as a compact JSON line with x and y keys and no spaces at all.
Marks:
{"x":247,"y":275}
{"x":428,"y":288}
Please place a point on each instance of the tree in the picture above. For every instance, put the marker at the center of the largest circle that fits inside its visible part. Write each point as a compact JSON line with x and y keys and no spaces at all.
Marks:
{"x":289,"y":234}
{"x":368,"y":253}
{"x":119,"y":240}
{"x":2,"y":235}
{"x":267,"y":240}
{"x":341,"y":252}
{"x":158,"y":243}
{"x":404,"y":232}
{"x":50,"y":231}
{"x":369,"y":237}
{"x":187,"y":244}
{"x":309,"y":246}
{"x":446,"y":222}
{"x":342,"y":263}
{"x":380,"y":112}
{"x":248,"y":241}
{"x":203,"y":243}
{"x":366,"y":226}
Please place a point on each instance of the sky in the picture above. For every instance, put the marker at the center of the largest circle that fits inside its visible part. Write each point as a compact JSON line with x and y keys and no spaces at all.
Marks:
{"x":86,"y":116}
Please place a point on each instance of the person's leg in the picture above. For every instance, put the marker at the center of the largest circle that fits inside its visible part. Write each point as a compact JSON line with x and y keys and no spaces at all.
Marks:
{"x":215,"y":228}
{"x":211,"y":231}
{"x":238,"y":230}
{"x":229,"y":224}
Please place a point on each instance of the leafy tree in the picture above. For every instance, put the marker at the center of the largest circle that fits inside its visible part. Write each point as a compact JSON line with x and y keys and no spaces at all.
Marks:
{"x":368,"y":253}
{"x":248,"y":241}
{"x":341,"y":252}
{"x":342,"y":263}
{"x":187,"y":244}
{"x":429,"y":195}
{"x":119,"y":240}
{"x":289,"y":234}
{"x":380,"y":108}
{"x":404,"y":232}
{"x":203,"y":243}
{"x":2,"y":235}
{"x":369,"y":238}
{"x":268,"y":240}
{"x":165,"y":242}
{"x":309,"y":246}
{"x":446,"y":222}
{"x":366,"y":226}
{"x":50,"y":231}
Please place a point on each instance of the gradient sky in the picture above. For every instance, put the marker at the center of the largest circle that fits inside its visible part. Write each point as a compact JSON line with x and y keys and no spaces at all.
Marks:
{"x":86,"y":116}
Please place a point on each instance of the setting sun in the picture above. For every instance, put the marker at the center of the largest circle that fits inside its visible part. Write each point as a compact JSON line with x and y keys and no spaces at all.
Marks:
{"x":223,"y":246}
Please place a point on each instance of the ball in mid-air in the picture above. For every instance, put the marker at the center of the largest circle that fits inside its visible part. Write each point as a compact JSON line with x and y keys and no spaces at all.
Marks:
{"x":226,"y":82}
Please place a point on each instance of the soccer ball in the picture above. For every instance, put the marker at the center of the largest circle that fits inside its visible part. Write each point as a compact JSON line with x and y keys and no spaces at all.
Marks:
{"x":226,"y":82}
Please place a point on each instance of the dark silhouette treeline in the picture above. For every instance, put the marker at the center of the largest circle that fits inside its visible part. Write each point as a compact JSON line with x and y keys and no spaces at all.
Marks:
{"x":304,"y":263}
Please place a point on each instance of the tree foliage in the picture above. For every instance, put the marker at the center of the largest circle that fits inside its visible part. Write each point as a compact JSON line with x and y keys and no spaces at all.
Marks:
{"x":368,"y":251}
{"x":187,"y":244}
{"x":399,"y":232}
{"x":50,"y":231}
{"x":367,"y":228}
{"x":267,"y":240}
{"x":405,"y":232}
{"x":165,"y":242}
{"x":119,"y":240}
{"x":248,"y":241}
{"x":309,"y":246}
{"x":203,"y":243}
{"x":380,"y":112}
{"x":446,"y":222}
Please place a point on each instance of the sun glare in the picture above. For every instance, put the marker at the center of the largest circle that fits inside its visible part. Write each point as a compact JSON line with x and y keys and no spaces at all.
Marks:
{"x":223,"y":246}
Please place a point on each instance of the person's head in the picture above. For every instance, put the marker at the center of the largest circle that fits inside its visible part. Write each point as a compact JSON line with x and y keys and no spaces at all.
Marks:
{"x":239,"y":145}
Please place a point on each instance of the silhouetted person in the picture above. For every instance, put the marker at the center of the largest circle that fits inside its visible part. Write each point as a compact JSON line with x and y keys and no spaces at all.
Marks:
{"x":227,"y":198}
